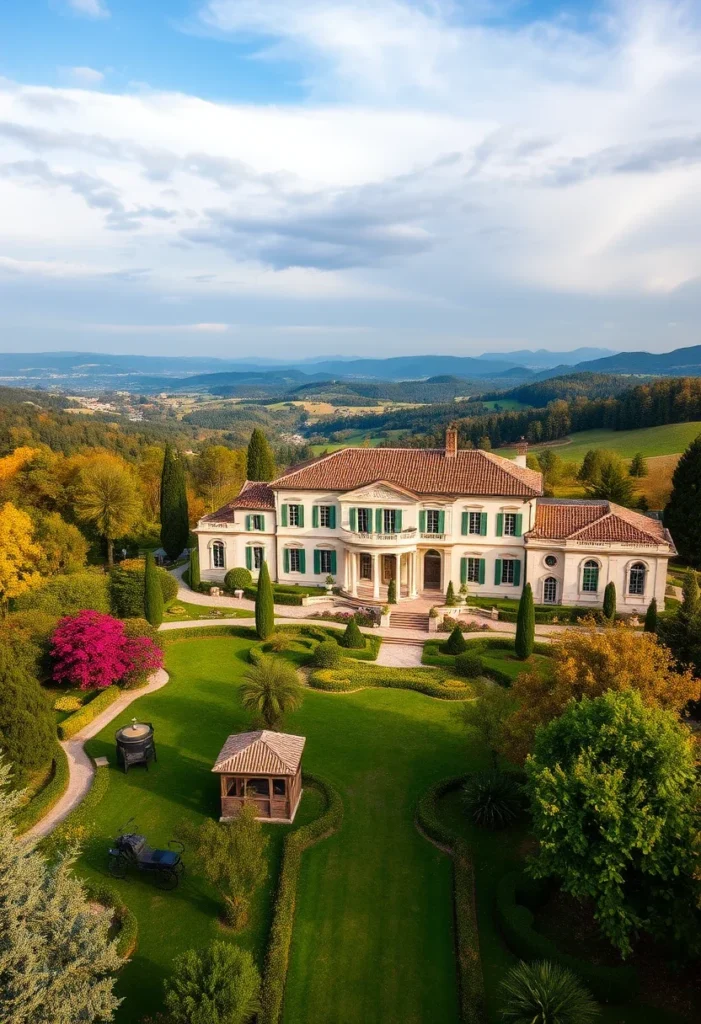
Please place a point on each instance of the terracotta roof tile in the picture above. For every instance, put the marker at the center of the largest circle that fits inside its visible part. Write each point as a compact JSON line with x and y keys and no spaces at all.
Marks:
{"x":422,"y":470}
{"x":253,"y":495}
{"x":596,"y":521}
{"x":263,"y":753}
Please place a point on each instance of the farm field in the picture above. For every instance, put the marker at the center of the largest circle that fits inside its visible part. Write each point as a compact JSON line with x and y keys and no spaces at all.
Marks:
{"x":504,"y":404}
{"x":373,"y":936}
{"x":670,"y":439}
{"x":356,"y":440}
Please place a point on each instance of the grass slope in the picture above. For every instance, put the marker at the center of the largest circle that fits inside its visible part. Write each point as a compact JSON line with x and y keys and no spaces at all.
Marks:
{"x":669,"y":439}
{"x":373,"y":935}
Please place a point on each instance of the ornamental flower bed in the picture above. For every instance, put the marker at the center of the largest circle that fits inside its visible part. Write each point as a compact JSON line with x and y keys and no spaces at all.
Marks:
{"x":91,"y":651}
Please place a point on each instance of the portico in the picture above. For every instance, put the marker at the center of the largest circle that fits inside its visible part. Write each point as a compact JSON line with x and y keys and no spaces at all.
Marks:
{"x":368,"y":573}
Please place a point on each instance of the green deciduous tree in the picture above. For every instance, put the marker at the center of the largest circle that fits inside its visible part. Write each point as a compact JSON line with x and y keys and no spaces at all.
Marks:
{"x":681,"y":515}
{"x":613,"y":791}
{"x":107,"y":497}
{"x":27,"y":725}
{"x":270,"y":689}
{"x":153,"y":594}
{"x":525,"y":625}
{"x":610,"y":601}
{"x":175,"y":527}
{"x":216,"y":985}
{"x":260,"y":463}
{"x":265,"y":607}
{"x":612,"y":484}
{"x":231,"y":855}
{"x":486,"y":716}
{"x":638,"y":465}
{"x":57,"y":962}
{"x":651,"y":617}
{"x":220,"y":471}
{"x":681,"y":632}
{"x":63,"y":547}
{"x":545,"y":993}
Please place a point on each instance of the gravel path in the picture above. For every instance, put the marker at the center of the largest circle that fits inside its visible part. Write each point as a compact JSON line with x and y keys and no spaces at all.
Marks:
{"x":400,"y":656}
{"x":80,"y":767}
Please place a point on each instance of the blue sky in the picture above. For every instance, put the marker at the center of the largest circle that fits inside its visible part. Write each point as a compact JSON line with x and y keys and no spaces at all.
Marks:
{"x":242,"y":177}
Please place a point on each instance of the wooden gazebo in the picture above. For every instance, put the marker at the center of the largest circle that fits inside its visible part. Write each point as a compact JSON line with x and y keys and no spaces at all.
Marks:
{"x":263,"y":768}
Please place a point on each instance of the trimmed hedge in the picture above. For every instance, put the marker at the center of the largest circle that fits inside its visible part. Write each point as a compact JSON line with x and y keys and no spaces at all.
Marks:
{"x":311,"y":635}
{"x":195,"y":632}
{"x":432,"y":655}
{"x":278,"y":954}
{"x":79,"y":825}
{"x":348,"y":677}
{"x":46,"y":798}
{"x":517,"y":897}
{"x":473,"y":1009}
{"x":75,"y":722}
{"x":126,"y":922}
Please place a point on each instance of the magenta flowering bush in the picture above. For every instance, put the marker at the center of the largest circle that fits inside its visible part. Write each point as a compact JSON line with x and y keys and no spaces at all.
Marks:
{"x":91,"y":650}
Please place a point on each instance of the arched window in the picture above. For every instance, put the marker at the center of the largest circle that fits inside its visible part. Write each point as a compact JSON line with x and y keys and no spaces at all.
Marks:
{"x":218,"y":555}
{"x":590,"y":576}
{"x":550,"y":590}
{"x":636,"y":578}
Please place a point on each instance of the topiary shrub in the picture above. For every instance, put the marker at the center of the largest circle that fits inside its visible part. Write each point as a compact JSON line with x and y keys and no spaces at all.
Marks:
{"x":265,"y":608}
{"x":610,"y":601}
{"x":327,"y":655}
{"x":352,"y":637}
{"x":27,"y":728}
{"x":469,"y":665}
{"x":392,"y":592}
{"x":237,"y":579}
{"x":456,"y":643}
{"x":492,"y":798}
{"x":450,"y":595}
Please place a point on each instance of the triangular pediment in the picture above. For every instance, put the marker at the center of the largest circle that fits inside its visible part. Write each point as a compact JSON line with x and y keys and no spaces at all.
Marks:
{"x":380,"y":490}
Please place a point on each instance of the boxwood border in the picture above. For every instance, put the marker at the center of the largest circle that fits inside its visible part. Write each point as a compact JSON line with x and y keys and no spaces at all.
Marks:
{"x":75,"y":722}
{"x":40,"y":804}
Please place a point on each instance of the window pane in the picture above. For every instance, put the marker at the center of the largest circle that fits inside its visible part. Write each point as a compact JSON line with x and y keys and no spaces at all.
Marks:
{"x":257,"y":558}
{"x":636,"y":583}
{"x":278,"y":787}
{"x":473,"y":570}
{"x":323,"y":515}
{"x":325,"y":562}
{"x":590,"y":577}
{"x":507,"y":570}
{"x":293,"y":511}
{"x":509,"y":524}
{"x":363,"y":517}
{"x":550,"y":590}
{"x":294,"y":560}
{"x":218,"y":555}
{"x":475,"y":522}
{"x":257,"y":787}
{"x":432,"y":521}
{"x":390,"y":519}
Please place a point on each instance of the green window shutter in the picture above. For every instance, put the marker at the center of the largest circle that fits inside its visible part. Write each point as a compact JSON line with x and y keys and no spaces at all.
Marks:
{"x":441,"y":522}
{"x":248,"y":522}
{"x":317,"y":562}
{"x":302,"y":561}
{"x":422,"y":522}
{"x":497,"y":572}
{"x":315,"y":516}
{"x":262,"y":522}
{"x":353,"y":517}
{"x":283,"y":512}
{"x":378,"y":520}
{"x":286,"y":558}
{"x":519,"y":525}
{"x":517,"y":574}
{"x":483,"y":524}
{"x":300,"y":515}
{"x":463,"y":570}
{"x":333,"y":563}
{"x":332,"y":517}
{"x":398,"y":521}
{"x":369,"y":520}
{"x":481,"y":570}
{"x":249,"y":558}
{"x":500,"y":524}
{"x":464,"y":524}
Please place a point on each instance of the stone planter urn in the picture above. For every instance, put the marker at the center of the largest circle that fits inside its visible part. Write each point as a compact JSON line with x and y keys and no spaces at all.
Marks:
{"x":238,"y":594}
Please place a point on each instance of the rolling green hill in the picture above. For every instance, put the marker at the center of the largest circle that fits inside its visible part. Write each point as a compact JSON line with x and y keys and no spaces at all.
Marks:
{"x":669,"y":439}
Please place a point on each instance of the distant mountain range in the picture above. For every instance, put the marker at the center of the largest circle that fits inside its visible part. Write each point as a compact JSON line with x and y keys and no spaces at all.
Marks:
{"x":89,"y":371}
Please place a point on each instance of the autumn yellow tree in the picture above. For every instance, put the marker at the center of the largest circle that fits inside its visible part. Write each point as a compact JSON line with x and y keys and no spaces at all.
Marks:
{"x":587,"y":662}
{"x":19,"y":554}
{"x":63,"y":546}
{"x":106,"y":496}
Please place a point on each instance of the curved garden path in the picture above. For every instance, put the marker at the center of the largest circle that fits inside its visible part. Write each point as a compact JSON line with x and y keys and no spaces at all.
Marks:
{"x":80,"y":767}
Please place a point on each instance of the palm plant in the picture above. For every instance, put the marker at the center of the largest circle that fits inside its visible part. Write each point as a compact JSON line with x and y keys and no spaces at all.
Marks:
{"x":107,"y":497}
{"x":492,"y":798}
{"x":270,"y":689}
{"x":545,"y":993}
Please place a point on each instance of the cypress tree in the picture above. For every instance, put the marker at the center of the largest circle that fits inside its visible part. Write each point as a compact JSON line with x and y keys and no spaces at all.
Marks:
{"x":392,"y":591}
{"x":265,"y":608}
{"x":175,"y":528}
{"x":195,"y":578}
{"x":260,"y":463}
{"x":352,"y":637}
{"x":638,"y":465}
{"x":525,"y":625}
{"x":153,"y":595}
{"x":610,"y":601}
{"x":651,"y":617}
{"x":681,"y":515}
{"x":450,"y":595}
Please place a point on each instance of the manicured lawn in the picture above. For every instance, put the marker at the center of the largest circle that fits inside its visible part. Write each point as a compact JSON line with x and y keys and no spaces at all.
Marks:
{"x":373,"y":935}
{"x":665,"y":440}
{"x":182,"y":611}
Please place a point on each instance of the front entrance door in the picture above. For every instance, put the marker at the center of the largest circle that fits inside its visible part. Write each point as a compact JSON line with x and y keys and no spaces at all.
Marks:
{"x":432,"y":571}
{"x":389,"y":568}
{"x":365,"y":566}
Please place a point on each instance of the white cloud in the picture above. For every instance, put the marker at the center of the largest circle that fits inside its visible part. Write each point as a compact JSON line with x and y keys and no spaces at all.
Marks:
{"x":84,"y":75}
{"x":90,"y":8}
{"x":439,"y":159}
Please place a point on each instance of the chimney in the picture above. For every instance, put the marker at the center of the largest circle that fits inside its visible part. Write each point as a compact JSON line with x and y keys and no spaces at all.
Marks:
{"x":521,"y":452}
{"x":451,"y":442}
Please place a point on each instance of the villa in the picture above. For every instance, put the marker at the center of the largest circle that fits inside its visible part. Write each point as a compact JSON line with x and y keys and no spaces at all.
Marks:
{"x":424,"y":517}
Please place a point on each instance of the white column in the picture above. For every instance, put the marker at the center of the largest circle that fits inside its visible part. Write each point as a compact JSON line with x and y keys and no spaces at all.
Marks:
{"x":412,"y":574}
{"x":354,"y":574}
{"x":376,"y":575}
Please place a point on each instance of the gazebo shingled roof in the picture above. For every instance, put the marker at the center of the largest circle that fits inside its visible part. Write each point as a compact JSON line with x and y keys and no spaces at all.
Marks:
{"x":260,"y":753}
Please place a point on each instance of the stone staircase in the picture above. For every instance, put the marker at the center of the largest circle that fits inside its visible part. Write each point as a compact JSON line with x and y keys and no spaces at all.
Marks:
{"x":409,"y":620}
